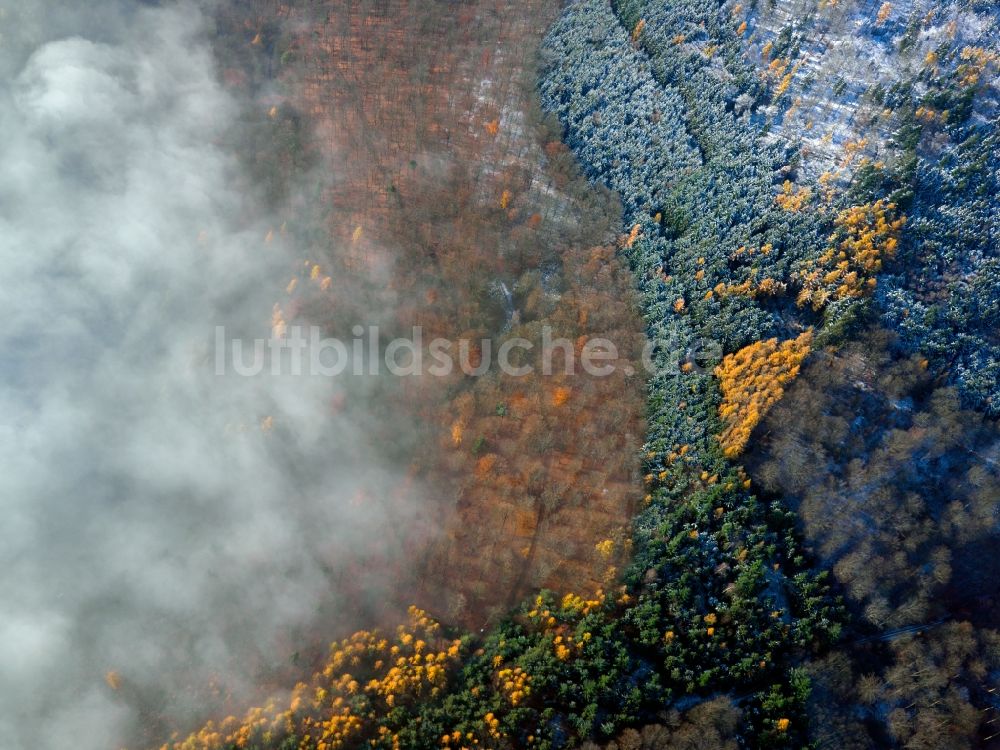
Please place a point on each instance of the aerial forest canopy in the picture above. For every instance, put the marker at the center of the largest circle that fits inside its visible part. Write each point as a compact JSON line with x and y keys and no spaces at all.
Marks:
{"x":805,"y":563}
{"x":774,"y":525}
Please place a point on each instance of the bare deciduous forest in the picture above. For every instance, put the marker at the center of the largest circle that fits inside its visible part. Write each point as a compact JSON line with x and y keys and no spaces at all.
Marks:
{"x":459,"y":205}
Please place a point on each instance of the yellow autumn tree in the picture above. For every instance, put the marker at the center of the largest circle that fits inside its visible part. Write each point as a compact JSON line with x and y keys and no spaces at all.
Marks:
{"x":883,"y":14}
{"x":752,"y":380}
{"x":637,"y":31}
{"x":791,"y":199}
{"x":363,"y":679}
{"x":865,"y":237}
{"x":975,"y":60}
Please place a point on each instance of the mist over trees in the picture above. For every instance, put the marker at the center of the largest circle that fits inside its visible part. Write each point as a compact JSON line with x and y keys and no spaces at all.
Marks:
{"x":724,"y":588}
{"x":781,"y":536}
{"x":170,"y":538}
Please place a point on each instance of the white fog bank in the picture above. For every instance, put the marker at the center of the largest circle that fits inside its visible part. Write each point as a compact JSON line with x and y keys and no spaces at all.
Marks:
{"x":149,"y":524}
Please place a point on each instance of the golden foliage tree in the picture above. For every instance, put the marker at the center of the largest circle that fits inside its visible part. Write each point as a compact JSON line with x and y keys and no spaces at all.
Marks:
{"x":364,"y":678}
{"x":752,"y":381}
{"x":883,"y":14}
{"x":791,"y":199}
{"x":865,"y":237}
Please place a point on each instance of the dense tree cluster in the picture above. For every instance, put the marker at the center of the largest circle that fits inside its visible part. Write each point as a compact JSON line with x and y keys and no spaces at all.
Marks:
{"x":692,"y":213}
{"x":942,"y":294}
{"x":714,"y":252}
{"x":474,"y":224}
{"x":752,"y":380}
{"x":743,"y":268}
{"x":716,"y":596}
{"x":704,"y":268}
{"x":908,"y":484}
{"x":625,"y":126}
{"x":925,"y":690}
{"x":896,"y":489}
{"x":713,"y":725}
{"x":718,"y":255}
{"x":921,"y":125}
{"x":865,"y":238}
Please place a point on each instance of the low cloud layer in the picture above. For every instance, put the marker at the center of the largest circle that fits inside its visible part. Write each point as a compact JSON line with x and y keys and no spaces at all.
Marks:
{"x":155,"y":520}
